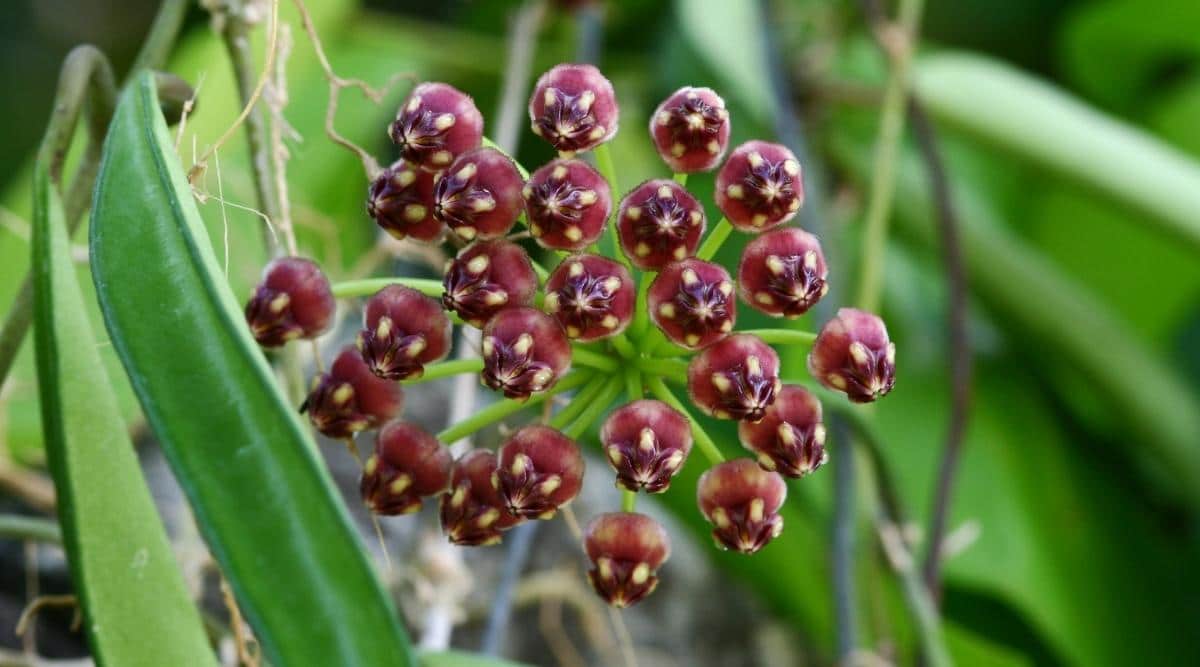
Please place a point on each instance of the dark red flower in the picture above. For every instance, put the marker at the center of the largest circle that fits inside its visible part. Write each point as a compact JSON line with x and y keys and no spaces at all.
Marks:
{"x":592,"y":297}
{"x":524,"y":351}
{"x":626,"y":550}
{"x":659,"y":222}
{"x":759,"y":186}
{"x":350,"y":398}
{"x":742,"y":501}
{"x":473,"y":512}
{"x":436,"y":124}
{"x":400,"y":200}
{"x":408,"y":465}
{"x":574,"y":108}
{"x":854,"y":355}
{"x":402,"y":331}
{"x":735,"y":378}
{"x":646,"y":442}
{"x":790,"y":439}
{"x":690,"y":129}
{"x":479,"y":195}
{"x":692,"y":302}
{"x":540,"y":470}
{"x":567,"y":202}
{"x":487,"y":277}
{"x":782,"y":272}
{"x":292,"y":301}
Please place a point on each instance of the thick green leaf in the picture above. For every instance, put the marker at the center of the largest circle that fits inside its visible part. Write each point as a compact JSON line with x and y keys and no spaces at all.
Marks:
{"x":265,"y":504}
{"x":461,"y":659}
{"x":137,"y":606}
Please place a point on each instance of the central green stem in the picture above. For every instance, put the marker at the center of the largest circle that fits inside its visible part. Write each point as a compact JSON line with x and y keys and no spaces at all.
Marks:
{"x":716,"y":238}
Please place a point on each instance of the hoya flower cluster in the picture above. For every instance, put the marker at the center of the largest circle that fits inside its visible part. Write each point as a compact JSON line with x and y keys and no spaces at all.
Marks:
{"x":621,"y":321}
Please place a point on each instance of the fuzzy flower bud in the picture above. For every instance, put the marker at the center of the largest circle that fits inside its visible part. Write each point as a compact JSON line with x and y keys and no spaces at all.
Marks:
{"x":293,"y":301}
{"x":853,"y":354}
{"x":539,"y":471}
{"x":349,"y":398}
{"x":742,"y":501}
{"x":759,"y":186}
{"x":790,"y":439}
{"x":400,"y":200}
{"x":626,"y":550}
{"x":690,"y":129}
{"x":524,"y":351}
{"x":692,"y":302}
{"x":782,"y":272}
{"x":487,"y":277}
{"x":402,"y":331}
{"x":473,"y":512}
{"x":659,"y":222}
{"x":735,"y":378}
{"x":567,"y":202}
{"x":479,"y":195}
{"x":574,"y":108}
{"x":646,"y":442}
{"x":436,"y":124}
{"x":408,"y":465}
{"x":592,"y":297}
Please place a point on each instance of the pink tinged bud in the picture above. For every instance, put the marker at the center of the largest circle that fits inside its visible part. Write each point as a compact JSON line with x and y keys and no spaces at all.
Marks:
{"x":525,"y":351}
{"x":626,"y":550}
{"x":574,"y":108}
{"x":592,"y":297}
{"x":473,"y":512}
{"x":691,"y":130}
{"x":436,"y":124}
{"x":292,"y":301}
{"x":790,"y":439}
{"x":659,"y":222}
{"x":539,"y":471}
{"x":400,"y":200}
{"x":646,"y":442}
{"x":735,"y":378}
{"x":479,"y":195}
{"x":852,"y":354}
{"x":408,"y":465}
{"x":742,"y":501}
{"x":567,"y":202}
{"x":782,"y":273}
{"x":350,"y":398}
{"x":402,"y":331}
{"x":487,"y":277}
{"x":759,"y":186}
{"x":692,"y":302}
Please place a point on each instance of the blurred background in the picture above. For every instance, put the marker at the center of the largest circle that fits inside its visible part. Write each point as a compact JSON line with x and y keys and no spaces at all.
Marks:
{"x":1070,"y":132}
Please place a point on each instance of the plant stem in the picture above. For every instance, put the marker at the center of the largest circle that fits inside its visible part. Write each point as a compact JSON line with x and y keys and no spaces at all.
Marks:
{"x":161,"y":38}
{"x":783,"y":336}
{"x":670,"y":368}
{"x":703,"y":441}
{"x":497,"y":411}
{"x":369,"y":286}
{"x":522,"y":40}
{"x":444,"y":369}
{"x":714,"y":241}
{"x":604,"y":163}
{"x":634,"y":388}
{"x":18,"y":527}
{"x":623,"y":347}
{"x":578,"y":403}
{"x":596,"y":408}
{"x":641,"y":316}
{"x":628,"y":500}
{"x":593,"y":360}
{"x":681,"y":179}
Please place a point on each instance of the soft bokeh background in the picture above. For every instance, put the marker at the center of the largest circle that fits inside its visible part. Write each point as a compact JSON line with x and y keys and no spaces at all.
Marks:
{"x":1073,"y":539}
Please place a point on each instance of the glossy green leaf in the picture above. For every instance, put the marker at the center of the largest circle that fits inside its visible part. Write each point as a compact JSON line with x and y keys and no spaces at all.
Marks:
{"x":137,"y":607}
{"x":249,"y":467}
{"x":463,"y":659}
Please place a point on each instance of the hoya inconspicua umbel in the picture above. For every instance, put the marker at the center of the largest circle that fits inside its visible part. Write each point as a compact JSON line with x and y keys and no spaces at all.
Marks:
{"x":407,"y":466}
{"x":487,"y":277}
{"x":646,"y":443}
{"x":400,"y":201}
{"x":525,"y":351}
{"x":435,"y":124}
{"x":692,"y":302}
{"x":734,"y":378}
{"x":659,"y":222}
{"x":626,"y":550}
{"x":539,"y":471}
{"x":293,"y":301}
{"x":690,"y":129}
{"x":759,"y":186}
{"x":479,"y":195}
{"x":790,"y":438}
{"x":592,"y":297}
{"x":473,"y":513}
{"x":742,"y":501}
{"x":402,"y":331}
{"x":853,"y":355}
{"x":782,"y":273}
{"x":567,"y":202}
{"x":349,"y":398}
{"x":574,"y":108}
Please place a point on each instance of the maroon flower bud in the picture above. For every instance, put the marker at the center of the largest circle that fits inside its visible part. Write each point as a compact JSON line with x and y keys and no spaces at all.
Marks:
{"x":659,"y":222}
{"x":691,"y":129}
{"x":735,"y":378}
{"x":524,"y":351}
{"x":408,"y":465}
{"x":292,"y":301}
{"x":626,"y":550}
{"x":539,"y":471}
{"x":568,"y":203}
{"x":402,"y":331}
{"x":479,"y":196}
{"x":742,"y":501}
{"x":592,"y":297}
{"x":790,"y":438}
{"x":692,"y":302}
{"x":646,"y":443}
{"x":487,"y":277}
{"x":473,"y":512}
{"x":782,"y":273}
{"x":853,"y":354}
{"x":350,"y":398}
{"x":400,"y":200}
{"x":436,"y":124}
{"x":574,"y":108}
{"x":759,"y":186}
